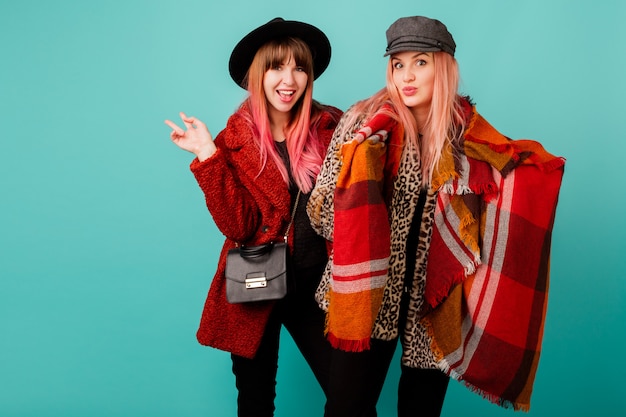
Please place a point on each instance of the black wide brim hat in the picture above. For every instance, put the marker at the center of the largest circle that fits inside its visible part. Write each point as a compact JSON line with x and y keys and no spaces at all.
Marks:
{"x":244,"y":52}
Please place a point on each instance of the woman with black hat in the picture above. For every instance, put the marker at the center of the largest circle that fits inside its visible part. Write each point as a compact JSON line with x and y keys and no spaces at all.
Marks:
{"x":442,"y":242}
{"x":258,"y":169}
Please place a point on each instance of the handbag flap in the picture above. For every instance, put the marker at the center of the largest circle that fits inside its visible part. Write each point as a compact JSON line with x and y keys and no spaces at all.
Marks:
{"x":269,"y":265}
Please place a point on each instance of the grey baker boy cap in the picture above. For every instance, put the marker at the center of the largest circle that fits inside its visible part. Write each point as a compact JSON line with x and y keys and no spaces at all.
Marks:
{"x":419,"y":33}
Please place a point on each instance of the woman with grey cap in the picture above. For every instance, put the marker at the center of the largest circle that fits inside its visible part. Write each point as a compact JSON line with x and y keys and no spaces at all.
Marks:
{"x":438,"y":237}
{"x":256,"y":176}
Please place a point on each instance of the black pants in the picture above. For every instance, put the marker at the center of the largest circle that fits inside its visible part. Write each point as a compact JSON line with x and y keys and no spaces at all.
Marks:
{"x":421,"y":392}
{"x":299,"y":313}
{"x":357,"y":378}
{"x":352,"y":382}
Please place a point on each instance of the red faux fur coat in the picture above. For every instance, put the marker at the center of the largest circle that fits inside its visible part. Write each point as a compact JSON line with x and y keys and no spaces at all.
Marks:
{"x":247,"y":208}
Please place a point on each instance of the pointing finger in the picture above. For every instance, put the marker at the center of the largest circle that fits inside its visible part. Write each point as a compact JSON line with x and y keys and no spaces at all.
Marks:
{"x":175,"y":127}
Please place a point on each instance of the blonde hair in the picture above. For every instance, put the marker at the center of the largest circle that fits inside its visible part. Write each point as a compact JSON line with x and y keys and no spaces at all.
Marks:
{"x":304,"y":146}
{"x":445,"y":120}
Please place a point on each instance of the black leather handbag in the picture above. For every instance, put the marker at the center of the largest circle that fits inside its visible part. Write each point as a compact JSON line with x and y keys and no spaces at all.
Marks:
{"x":258,"y":273}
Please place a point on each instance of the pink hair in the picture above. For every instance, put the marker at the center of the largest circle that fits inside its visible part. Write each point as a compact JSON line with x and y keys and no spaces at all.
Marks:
{"x":445,"y":119}
{"x":306,"y":150}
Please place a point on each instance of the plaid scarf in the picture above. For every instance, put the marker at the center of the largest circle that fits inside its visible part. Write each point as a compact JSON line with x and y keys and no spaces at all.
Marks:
{"x":360,"y":262}
{"x":487,"y":271}
{"x":488,"y":266}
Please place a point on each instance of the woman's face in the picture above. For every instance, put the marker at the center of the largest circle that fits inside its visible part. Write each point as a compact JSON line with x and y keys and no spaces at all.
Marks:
{"x":283,"y":85}
{"x":414,"y":77}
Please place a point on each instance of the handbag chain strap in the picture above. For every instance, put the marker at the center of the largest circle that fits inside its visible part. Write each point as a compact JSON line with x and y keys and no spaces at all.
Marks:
{"x":293,"y":215}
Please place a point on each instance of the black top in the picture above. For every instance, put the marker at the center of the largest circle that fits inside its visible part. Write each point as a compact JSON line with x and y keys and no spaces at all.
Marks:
{"x":411,"y":256}
{"x":309,"y":248}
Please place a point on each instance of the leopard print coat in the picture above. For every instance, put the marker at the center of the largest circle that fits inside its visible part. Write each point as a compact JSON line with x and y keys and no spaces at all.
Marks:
{"x":415,"y":339}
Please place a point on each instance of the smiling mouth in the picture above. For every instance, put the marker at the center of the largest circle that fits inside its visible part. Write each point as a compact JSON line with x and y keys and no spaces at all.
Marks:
{"x":286,"y":93}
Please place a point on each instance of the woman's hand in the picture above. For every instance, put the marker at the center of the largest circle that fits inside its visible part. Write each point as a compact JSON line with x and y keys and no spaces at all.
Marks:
{"x":196,"y":139}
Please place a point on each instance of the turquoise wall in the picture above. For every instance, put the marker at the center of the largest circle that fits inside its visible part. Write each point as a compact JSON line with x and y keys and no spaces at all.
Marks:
{"x":107,"y":250}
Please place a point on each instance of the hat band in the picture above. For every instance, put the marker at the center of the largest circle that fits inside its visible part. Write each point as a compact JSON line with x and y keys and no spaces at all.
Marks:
{"x":408,"y":43}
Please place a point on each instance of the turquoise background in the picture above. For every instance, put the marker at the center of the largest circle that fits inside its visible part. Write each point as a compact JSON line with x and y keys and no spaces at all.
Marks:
{"x":107,"y":249}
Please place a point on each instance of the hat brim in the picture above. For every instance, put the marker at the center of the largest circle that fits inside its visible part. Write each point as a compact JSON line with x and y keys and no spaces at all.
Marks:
{"x":243,"y":53}
{"x":416,"y":48}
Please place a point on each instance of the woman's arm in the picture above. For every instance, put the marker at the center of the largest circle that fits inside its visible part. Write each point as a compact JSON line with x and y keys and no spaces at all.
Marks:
{"x":231,"y":205}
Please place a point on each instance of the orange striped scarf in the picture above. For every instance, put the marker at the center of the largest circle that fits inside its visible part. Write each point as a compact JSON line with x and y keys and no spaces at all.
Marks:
{"x":361,"y":233}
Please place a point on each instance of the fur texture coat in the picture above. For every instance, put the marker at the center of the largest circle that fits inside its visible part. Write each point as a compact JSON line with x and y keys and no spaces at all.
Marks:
{"x":248,"y":208}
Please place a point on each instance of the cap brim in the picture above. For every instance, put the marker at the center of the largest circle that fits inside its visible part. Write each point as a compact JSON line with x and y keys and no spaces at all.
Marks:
{"x":408,"y":48}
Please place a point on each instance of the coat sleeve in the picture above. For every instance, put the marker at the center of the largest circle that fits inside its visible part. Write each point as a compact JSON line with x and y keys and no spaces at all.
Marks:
{"x":225,"y":179}
{"x":231,"y":205}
